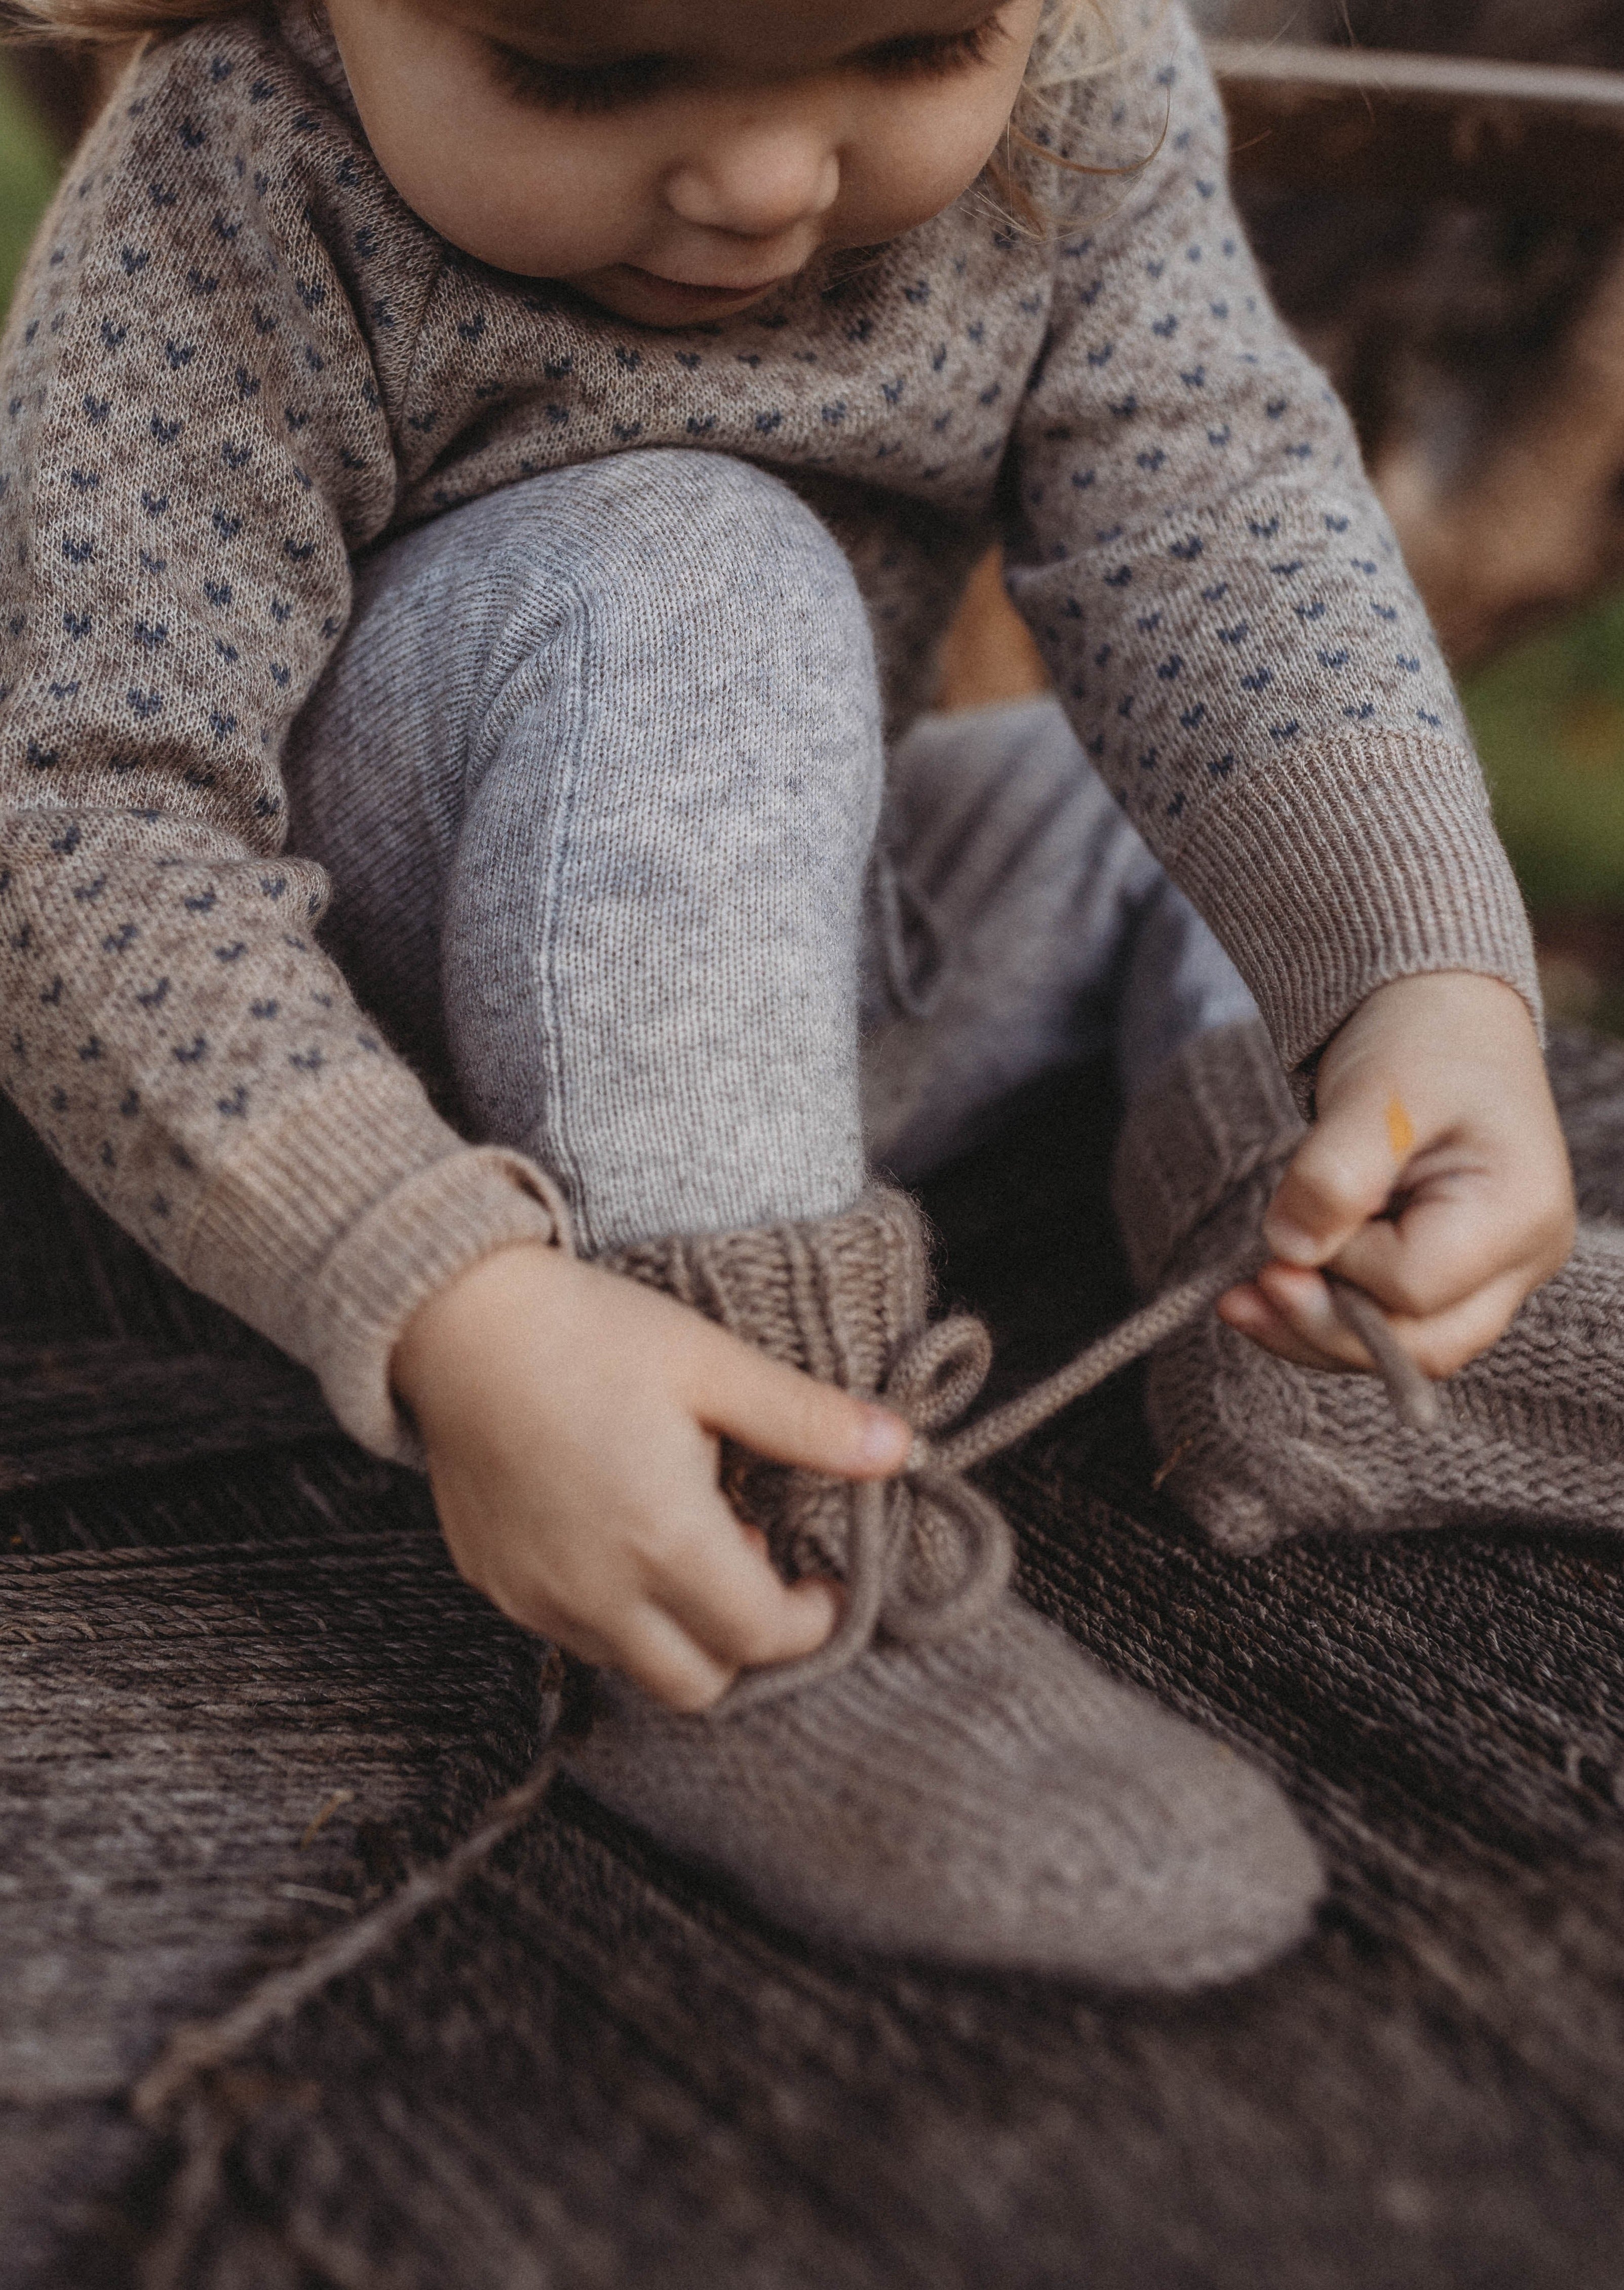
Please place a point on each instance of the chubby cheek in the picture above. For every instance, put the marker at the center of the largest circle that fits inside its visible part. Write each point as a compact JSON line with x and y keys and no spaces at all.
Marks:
{"x":541,"y":200}
{"x":898,"y":180}
{"x":532,"y":206}
{"x":535,"y":223}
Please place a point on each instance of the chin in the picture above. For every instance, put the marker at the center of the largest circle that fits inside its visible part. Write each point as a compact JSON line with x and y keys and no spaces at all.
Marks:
{"x":649,"y":301}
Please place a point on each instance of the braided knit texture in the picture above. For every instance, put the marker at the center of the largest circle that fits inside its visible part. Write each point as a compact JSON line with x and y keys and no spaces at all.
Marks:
{"x":805,"y":1294}
{"x":948,"y":1777}
{"x":1257,"y":1450}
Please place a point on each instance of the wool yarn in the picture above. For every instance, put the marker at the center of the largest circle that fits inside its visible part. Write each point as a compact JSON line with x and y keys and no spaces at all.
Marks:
{"x":1257,"y":1450}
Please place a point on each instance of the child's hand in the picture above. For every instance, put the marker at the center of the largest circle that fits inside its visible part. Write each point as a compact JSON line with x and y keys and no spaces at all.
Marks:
{"x":572,"y":1418}
{"x":1434,"y":1090}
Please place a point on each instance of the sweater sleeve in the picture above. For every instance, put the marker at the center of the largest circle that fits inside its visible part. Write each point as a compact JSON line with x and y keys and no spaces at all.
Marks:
{"x":1218,"y":595}
{"x":191,"y":444}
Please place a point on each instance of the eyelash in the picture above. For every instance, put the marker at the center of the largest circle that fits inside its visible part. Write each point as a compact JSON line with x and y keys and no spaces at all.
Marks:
{"x":556,"y":87}
{"x":935,"y":59}
{"x":608,"y":87}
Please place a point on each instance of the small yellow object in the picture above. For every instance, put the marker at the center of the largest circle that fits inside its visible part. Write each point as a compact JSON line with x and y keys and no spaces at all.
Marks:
{"x":1401,"y":1131}
{"x":339,"y":1796}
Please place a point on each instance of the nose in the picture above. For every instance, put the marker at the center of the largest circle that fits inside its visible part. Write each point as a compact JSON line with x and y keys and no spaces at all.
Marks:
{"x":758,"y":181}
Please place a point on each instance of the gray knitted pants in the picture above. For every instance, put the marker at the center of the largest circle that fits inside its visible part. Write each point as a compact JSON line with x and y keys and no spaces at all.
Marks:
{"x":599,"y":777}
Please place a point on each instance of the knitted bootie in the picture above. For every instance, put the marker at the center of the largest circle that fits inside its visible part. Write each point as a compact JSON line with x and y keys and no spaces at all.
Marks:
{"x":950,"y":1777}
{"x":1255,"y":1449}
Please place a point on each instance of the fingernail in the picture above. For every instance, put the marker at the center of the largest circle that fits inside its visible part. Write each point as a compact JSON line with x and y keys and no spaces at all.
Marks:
{"x":885,"y":1440}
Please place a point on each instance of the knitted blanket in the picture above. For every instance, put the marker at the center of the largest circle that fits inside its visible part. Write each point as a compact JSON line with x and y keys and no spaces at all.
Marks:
{"x":241,"y":1693}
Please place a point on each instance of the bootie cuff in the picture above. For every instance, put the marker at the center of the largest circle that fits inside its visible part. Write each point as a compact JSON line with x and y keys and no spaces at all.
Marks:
{"x":1220,"y":1110}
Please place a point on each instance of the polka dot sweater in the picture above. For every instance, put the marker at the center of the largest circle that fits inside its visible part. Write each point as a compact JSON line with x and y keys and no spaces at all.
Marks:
{"x":236,"y":359}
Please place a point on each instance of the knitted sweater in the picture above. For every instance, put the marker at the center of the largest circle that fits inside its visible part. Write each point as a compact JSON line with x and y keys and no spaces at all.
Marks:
{"x":236,"y":359}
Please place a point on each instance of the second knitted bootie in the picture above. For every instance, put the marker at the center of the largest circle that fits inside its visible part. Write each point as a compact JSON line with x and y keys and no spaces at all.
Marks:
{"x":1256,"y":1450}
{"x":951,"y":1778}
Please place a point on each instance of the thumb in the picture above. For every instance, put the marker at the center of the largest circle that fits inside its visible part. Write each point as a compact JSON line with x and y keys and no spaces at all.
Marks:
{"x":791,"y":1418}
{"x":1341,"y":1175}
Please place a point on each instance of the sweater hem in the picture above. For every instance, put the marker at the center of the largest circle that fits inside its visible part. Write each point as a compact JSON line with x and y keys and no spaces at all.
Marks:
{"x":1321,"y":906}
{"x":327,"y":1232}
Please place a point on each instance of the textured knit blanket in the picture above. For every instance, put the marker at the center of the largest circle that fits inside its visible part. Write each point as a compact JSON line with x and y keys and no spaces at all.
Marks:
{"x":242,"y":1694}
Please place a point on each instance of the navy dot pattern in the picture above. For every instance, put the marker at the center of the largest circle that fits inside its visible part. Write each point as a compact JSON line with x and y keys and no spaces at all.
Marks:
{"x":1195,"y":545}
{"x":236,"y":359}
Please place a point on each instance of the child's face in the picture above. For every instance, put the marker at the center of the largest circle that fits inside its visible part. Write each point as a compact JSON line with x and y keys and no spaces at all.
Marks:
{"x":675,"y":159}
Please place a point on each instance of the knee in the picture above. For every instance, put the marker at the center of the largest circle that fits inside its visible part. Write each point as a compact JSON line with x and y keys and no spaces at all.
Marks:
{"x":690,"y":525}
{"x":709,"y":582}
{"x":714,"y":535}
{"x":646,"y":551}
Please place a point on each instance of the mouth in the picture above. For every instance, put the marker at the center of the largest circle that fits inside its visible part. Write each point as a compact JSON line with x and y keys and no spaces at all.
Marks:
{"x":695,"y":291}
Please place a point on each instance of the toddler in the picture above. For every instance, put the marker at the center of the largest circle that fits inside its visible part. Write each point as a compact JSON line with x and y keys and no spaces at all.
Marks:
{"x":483,"y":481}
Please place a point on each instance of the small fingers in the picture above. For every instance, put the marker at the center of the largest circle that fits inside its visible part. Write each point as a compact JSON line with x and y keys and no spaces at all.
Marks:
{"x":1290,"y":1313}
{"x":1304,"y":1301}
{"x":639,"y":1639}
{"x":1455,"y":1239}
{"x":656,"y":1652}
{"x":1292,"y":1326}
{"x":710,"y":1604}
{"x":1341,"y":1175}
{"x":724,"y":1591}
{"x":718,"y":1609}
{"x":791,"y":1418}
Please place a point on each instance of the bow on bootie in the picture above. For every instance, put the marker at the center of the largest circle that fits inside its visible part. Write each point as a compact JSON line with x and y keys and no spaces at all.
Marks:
{"x":924,"y":1556}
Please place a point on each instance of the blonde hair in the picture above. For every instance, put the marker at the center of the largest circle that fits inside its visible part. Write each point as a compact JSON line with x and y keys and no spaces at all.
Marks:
{"x":108,"y":22}
{"x":1077,"y":39}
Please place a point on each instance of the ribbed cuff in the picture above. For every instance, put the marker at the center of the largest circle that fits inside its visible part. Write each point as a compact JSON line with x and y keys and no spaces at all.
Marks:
{"x":1346,"y":869}
{"x":428,"y":1231}
{"x":328,"y":1232}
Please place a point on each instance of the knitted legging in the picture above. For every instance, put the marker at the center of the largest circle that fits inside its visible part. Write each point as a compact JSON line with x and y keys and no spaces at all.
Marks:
{"x":598,"y":774}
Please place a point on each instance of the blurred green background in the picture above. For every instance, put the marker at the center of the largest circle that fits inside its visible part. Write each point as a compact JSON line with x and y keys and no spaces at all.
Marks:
{"x":1548,"y":715}
{"x":27,"y":173}
{"x":1549,"y":721}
